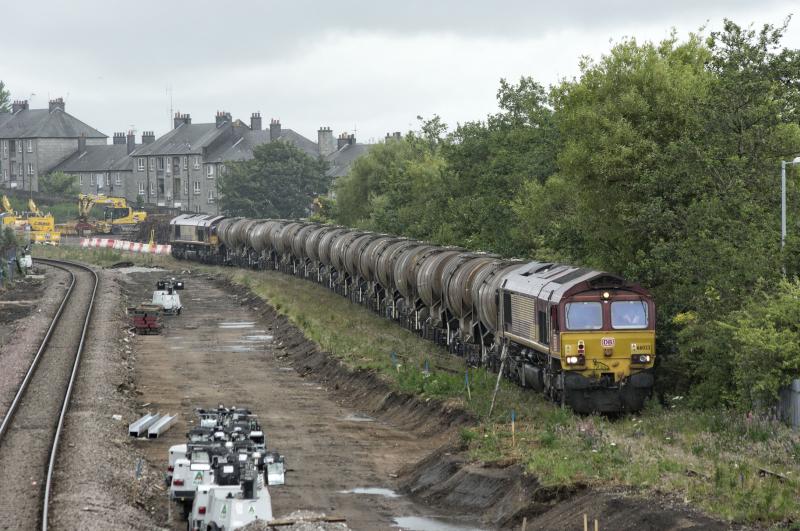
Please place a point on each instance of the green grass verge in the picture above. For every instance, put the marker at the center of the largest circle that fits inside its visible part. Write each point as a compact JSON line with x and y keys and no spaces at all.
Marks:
{"x":711,"y":459}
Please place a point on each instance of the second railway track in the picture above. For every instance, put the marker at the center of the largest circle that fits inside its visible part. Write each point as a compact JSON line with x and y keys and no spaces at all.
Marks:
{"x":30,"y":430}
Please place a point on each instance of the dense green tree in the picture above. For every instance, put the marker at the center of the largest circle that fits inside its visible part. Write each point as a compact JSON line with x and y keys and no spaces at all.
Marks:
{"x":59,"y":183}
{"x":281,"y":181}
{"x":5,"y":98}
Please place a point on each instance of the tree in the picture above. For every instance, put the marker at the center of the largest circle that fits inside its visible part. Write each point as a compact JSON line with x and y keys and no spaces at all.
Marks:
{"x":280,"y":181}
{"x":59,"y":183}
{"x":5,"y":98}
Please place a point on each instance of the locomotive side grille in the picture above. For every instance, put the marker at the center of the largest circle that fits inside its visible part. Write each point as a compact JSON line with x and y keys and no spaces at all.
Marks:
{"x":523,"y":315}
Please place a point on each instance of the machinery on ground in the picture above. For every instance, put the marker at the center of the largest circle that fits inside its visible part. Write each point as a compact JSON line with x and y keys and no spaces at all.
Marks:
{"x":221,"y":475}
{"x":584,"y":338}
{"x":166,"y":295}
{"x":39,"y":227}
{"x":118,"y":217}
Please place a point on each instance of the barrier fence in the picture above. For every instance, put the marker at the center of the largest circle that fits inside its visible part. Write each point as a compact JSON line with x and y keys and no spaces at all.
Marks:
{"x":123,"y":245}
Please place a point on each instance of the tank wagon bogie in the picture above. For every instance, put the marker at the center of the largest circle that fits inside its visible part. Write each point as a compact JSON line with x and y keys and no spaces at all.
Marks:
{"x":582,"y":337}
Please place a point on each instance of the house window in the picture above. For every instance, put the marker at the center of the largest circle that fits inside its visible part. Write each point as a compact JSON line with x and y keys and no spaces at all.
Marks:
{"x":117,"y":179}
{"x":19,"y":146}
{"x":197,"y":187}
{"x":210,"y":171}
{"x":30,"y":168}
{"x":223,"y":170}
{"x":160,"y":163}
{"x":5,"y":175}
{"x":186,"y":188}
{"x":152,"y":188}
{"x":30,"y":146}
{"x":99,"y":180}
{"x":211,"y":197}
{"x":80,"y":180}
{"x":5,"y":149}
{"x":91,"y":180}
{"x":152,"y":163}
{"x":141,"y":163}
{"x":197,"y":163}
{"x":185,"y":163}
{"x":141,"y":188}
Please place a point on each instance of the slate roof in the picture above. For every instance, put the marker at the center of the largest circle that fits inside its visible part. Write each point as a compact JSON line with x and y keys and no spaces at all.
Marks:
{"x":42,"y":123}
{"x":99,"y":159}
{"x":242,"y":148}
{"x":341,"y":160}
{"x":186,"y":139}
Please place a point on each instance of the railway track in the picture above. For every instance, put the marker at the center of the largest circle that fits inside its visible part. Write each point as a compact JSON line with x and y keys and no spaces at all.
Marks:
{"x":30,"y":430}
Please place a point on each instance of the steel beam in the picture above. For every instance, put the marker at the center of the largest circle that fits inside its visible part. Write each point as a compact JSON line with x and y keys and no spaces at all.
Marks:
{"x":160,"y":426}
{"x":138,"y":428}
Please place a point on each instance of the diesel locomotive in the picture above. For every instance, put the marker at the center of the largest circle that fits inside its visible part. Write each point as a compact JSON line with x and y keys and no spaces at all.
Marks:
{"x":584,"y":338}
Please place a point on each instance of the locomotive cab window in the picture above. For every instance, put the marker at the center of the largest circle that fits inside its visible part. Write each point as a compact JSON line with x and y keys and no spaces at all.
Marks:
{"x":628,"y":315}
{"x":584,"y":316}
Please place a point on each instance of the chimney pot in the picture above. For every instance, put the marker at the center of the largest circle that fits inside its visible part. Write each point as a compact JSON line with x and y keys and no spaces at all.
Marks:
{"x":130,"y":141}
{"x":255,"y":121}
{"x":326,"y":144}
{"x":274,"y":130}
{"x":82,"y":143}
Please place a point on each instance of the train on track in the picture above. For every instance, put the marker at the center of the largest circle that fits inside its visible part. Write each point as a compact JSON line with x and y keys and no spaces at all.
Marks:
{"x":584,"y":338}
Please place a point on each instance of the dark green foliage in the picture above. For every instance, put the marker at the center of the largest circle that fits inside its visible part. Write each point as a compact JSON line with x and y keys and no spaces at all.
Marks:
{"x":281,"y":181}
{"x":660,"y":162}
{"x":5,"y":98}
{"x":59,"y":183}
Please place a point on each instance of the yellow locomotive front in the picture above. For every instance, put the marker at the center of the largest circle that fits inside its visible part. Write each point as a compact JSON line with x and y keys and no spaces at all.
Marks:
{"x":606,"y":347}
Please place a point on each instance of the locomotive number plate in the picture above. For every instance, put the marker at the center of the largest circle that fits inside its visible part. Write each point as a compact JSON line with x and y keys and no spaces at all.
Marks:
{"x":608,"y":342}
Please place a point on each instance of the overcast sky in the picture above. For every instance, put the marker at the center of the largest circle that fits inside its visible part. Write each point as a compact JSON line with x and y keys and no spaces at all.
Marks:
{"x":364,"y":66}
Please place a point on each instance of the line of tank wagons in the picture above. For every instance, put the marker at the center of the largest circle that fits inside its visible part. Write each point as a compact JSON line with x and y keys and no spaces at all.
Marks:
{"x":559,"y":328}
{"x":220,"y":476}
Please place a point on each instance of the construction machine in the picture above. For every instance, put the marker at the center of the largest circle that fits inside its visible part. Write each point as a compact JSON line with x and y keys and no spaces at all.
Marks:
{"x":118,"y":217}
{"x":42,"y":227}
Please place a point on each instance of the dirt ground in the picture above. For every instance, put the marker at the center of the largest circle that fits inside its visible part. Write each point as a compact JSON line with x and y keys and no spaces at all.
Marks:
{"x":222,"y":350}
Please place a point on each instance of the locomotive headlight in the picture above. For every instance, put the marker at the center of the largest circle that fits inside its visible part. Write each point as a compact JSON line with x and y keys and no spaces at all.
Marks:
{"x":640,"y":358}
{"x":575,"y":360}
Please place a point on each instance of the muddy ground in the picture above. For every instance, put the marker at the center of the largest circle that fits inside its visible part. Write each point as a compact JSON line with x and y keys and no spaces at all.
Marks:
{"x":225,"y":349}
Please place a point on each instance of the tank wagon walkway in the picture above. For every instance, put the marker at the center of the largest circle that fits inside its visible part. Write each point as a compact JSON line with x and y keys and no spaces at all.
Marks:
{"x":217,"y":351}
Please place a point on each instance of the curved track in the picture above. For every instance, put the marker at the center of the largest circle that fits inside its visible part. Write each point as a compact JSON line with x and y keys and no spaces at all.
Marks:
{"x":30,"y":431}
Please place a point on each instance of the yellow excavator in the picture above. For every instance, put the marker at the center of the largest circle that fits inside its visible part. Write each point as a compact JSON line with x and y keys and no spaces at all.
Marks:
{"x":42,"y":226}
{"x":7,"y":216}
{"x":118,"y":217}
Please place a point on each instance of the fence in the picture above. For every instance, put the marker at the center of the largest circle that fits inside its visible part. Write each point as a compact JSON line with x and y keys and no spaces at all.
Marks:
{"x":123,"y":245}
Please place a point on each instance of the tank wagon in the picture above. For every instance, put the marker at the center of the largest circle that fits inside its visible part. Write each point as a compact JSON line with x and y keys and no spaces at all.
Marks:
{"x":584,"y":338}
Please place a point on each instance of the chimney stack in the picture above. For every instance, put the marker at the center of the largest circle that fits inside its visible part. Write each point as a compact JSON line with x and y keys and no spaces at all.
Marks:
{"x":148,"y":137}
{"x":19,"y":105}
{"x":130,"y":141}
{"x":325,"y":141}
{"x":397,"y":135}
{"x":119,"y":139}
{"x":255,"y":121}
{"x":274,"y":130}
{"x":57,"y":103}
{"x":181,"y":119}
{"x":82,"y":143}
{"x":344,"y":140}
{"x":222,"y":117}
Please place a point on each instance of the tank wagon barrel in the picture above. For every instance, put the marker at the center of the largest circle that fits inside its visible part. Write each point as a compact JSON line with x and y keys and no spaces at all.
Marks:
{"x":582,"y":337}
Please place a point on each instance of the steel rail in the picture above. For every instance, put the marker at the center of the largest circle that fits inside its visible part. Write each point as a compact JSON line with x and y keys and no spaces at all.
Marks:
{"x":54,"y":452}
{"x":64,"y":266}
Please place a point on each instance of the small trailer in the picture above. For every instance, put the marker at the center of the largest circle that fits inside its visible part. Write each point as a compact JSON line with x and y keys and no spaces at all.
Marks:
{"x":146,"y":318}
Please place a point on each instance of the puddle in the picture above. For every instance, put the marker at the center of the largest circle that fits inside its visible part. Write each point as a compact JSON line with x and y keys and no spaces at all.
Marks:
{"x":236,"y":348}
{"x":424,"y":523}
{"x":358,"y":417}
{"x":243,"y":324}
{"x":258,"y":338}
{"x":375,"y":491}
